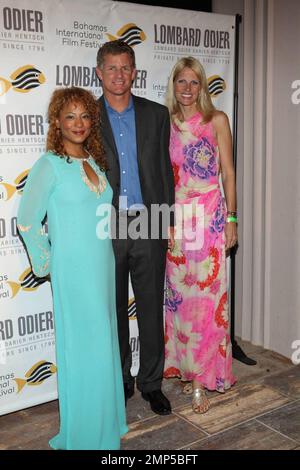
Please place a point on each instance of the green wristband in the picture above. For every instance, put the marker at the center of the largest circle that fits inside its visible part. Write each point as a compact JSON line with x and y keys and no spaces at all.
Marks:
{"x":232,"y":219}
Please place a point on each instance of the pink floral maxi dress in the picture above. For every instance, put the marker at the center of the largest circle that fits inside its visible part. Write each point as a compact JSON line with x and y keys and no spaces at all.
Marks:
{"x":197,"y":343}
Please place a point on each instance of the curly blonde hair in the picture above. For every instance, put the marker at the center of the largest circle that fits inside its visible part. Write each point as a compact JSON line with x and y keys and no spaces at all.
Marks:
{"x":93,"y":144}
{"x":204,"y":103}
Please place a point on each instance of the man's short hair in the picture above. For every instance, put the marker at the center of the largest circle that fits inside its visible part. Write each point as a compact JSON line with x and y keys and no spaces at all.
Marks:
{"x":115,"y":47}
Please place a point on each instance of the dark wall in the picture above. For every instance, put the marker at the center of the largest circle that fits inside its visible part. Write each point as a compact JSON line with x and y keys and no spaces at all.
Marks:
{"x":200,"y":5}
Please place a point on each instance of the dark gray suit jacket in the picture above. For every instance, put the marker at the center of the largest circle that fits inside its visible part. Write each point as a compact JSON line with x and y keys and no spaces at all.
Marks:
{"x":152,"y":137}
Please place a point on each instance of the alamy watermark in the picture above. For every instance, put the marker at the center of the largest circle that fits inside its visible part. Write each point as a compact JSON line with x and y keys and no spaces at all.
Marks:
{"x":154,"y":223}
{"x":296,"y":354}
{"x":295,"y":97}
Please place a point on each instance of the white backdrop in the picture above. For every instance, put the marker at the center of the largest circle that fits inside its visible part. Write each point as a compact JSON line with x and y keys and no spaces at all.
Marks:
{"x":45,"y":45}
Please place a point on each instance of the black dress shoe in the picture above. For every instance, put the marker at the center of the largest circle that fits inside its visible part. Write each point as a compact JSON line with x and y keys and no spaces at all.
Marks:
{"x":159,"y":404}
{"x":128,"y":390}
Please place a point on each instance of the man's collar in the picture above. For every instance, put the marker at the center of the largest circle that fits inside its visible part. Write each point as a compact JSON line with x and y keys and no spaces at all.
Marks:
{"x":129,"y":107}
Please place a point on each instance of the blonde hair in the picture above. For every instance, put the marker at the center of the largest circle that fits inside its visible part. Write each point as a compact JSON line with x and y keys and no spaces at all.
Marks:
{"x":203,"y":104}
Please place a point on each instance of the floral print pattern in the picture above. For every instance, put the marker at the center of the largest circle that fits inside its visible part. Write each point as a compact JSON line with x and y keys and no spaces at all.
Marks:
{"x":200,"y":159}
{"x":173,"y":298}
{"x":197,"y":342}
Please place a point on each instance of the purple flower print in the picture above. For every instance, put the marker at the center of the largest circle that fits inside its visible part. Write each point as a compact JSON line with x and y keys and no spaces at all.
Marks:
{"x":218,"y":221}
{"x":172,"y":298}
{"x":200,"y":159}
{"x":220,"y":383}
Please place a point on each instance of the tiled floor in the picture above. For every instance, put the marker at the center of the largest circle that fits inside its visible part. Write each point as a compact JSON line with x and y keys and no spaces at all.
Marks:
{"x":262,"y":411}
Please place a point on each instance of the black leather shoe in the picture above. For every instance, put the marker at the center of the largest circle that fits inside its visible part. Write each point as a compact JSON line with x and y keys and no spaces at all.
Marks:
{"x":128,"y":391}
{"x":159,"y":404}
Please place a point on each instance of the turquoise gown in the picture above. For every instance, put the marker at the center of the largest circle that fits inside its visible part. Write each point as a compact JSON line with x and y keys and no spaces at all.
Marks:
{"x":82,"y":269}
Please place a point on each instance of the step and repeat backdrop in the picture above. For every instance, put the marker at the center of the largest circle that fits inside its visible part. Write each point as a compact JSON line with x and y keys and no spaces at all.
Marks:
{"x":45,"y":45}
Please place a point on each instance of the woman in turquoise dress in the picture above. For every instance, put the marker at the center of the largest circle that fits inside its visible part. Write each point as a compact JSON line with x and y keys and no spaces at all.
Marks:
{"x":68,"y":185}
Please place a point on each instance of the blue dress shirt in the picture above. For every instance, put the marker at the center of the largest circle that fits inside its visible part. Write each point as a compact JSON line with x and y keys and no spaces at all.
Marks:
{"x":123,"y":127}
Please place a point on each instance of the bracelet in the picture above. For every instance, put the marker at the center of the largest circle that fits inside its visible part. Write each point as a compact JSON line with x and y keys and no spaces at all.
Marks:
{"x":233,"y":213}
{"x":232,"y":219}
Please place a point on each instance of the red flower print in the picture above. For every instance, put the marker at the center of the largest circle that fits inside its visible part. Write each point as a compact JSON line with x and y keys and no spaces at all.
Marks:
{"x":182,"y":337}
{"x":222,"y":350}
{"x":176,"y":259}
{"x":219,"y":319}
{"x":176,"y":173}
{"x":171,"y":372}
{"x":214,"y":258}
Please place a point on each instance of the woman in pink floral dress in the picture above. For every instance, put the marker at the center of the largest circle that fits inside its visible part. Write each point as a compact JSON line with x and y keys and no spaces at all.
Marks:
{"x":198,"y":347}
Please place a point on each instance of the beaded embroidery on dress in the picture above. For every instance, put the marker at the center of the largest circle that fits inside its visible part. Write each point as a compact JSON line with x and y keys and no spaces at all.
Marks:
{"x":101,"y":179}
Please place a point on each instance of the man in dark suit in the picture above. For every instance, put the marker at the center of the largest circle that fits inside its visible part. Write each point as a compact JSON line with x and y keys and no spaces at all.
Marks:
{"x":135,"y":133}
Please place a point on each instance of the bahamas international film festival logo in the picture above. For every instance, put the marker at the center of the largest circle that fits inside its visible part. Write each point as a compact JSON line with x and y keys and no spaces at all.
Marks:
{"x":129,"y":33}
{"x":80,"y":33}
{"x":8,"y":190}
{"x":22,"y":80}
{"x":27,"y":282}
{"x":295,"y":97}
{"x":36,"y":375}
{"x":7,"y":386}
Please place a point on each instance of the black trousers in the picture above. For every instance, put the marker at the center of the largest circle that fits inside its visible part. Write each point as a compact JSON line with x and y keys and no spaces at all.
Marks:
{"x":145,"y":260}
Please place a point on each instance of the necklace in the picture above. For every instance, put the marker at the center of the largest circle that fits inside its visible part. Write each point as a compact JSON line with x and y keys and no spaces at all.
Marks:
{"x":84,"y":159}
{"x":98,"y":189}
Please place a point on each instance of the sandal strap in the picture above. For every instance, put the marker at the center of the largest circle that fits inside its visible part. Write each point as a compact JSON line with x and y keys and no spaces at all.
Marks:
{"x":199,"y":390}
{"x":199,"y":396}
{"x":198,"y":393}
{"x":188,"y":389}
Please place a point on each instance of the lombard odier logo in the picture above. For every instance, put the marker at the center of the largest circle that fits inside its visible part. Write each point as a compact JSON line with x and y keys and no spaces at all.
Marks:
{"x":36,"y":375}
{"x":129,"y":33}
{"x":17,"y":187}
{"x":28,"y":282}
{"x":15,"y":19}
{"x":216,"y":85}
{"x":23,"y":80}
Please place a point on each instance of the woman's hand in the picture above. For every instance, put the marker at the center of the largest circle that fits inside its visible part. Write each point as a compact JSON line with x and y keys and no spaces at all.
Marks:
{"x":231,"y":236}
{"x":171,"y":238}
